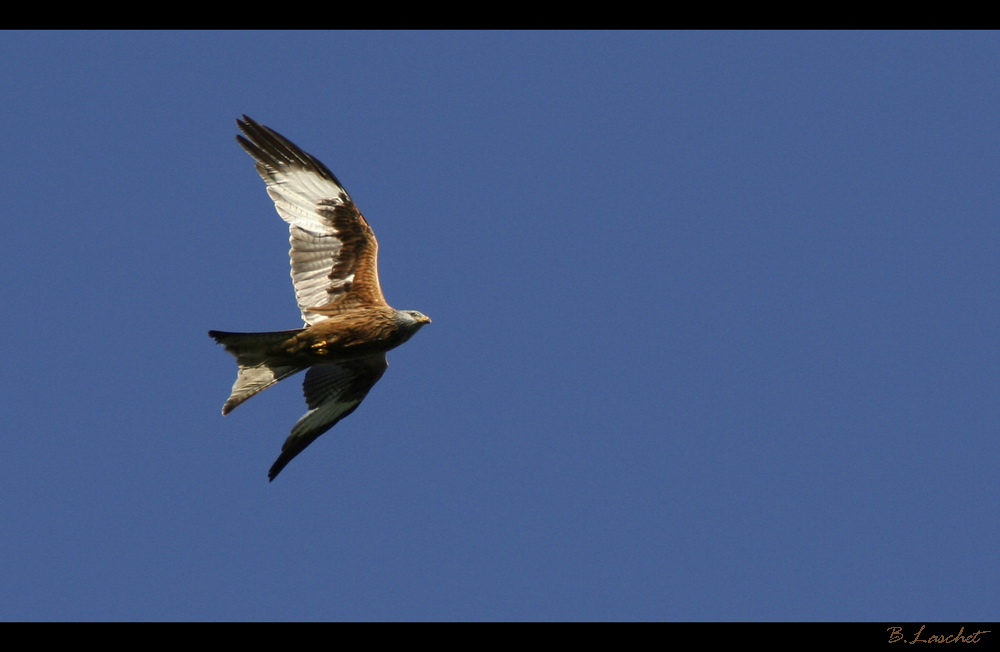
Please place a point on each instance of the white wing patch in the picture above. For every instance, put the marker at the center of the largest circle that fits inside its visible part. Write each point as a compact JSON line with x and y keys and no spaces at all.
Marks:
{"x":321,"y":418}
{"x":295,"y":193}
{"x":313,"y":257}
{"x":304,"y":193}
{"x":313,"y":239}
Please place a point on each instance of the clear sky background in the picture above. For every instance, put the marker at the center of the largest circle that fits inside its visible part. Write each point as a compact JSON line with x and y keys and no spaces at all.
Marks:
{"x":715,"y":327}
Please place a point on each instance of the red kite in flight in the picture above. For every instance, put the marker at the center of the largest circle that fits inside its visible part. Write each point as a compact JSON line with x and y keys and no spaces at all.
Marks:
{"x":349,"y":326}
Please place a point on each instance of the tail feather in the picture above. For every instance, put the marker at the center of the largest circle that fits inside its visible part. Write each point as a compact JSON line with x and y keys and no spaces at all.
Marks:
{"x":257,"y":370}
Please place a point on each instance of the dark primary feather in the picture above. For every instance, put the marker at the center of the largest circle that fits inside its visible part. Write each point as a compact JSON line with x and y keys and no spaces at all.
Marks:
{"x":268,"y":146}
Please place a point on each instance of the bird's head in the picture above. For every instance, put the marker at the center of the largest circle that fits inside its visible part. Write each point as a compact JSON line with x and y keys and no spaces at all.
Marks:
{"x":412,"y":319}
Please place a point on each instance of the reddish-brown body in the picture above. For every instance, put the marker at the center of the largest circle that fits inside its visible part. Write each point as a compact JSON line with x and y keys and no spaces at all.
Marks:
{"x":353,"y":334}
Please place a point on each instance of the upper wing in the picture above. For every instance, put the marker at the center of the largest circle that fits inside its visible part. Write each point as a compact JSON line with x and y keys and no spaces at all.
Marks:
{"x":332,"y":391}
{"x":334,"y":253}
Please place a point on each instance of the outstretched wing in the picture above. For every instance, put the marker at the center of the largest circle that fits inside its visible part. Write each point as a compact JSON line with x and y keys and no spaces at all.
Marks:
{"x":334,"y":253}
{"x":332,"y":392}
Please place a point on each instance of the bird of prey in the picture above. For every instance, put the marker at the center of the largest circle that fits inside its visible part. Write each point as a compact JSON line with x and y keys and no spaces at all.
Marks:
{"x":348,"y":325}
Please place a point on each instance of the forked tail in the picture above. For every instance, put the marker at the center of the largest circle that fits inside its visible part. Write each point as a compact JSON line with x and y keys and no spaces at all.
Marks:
{"x":258,"y":370}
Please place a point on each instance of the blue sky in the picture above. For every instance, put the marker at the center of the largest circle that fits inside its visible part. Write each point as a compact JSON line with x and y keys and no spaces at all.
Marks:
{"x":715,"y":328}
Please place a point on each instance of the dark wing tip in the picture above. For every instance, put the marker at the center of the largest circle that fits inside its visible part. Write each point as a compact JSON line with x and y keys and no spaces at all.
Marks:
{"x":278,"y":465}
{"x":249,"y":126}
{"x":269,"y":147}
{"x":291,"y":448}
